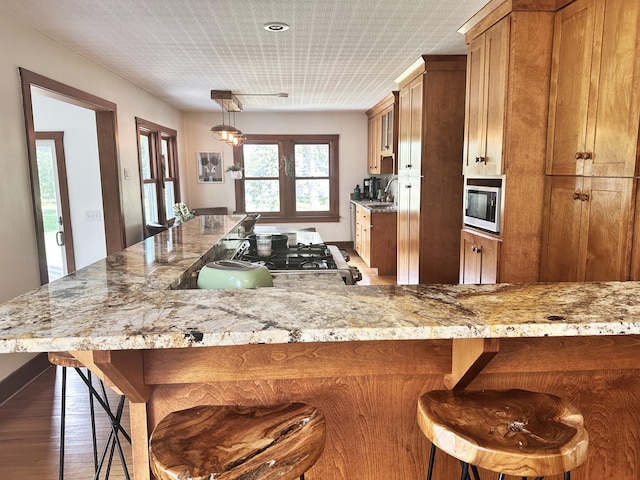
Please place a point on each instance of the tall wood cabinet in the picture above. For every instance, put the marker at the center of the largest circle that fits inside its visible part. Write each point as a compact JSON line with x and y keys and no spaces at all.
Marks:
{"x":588,"y":236}
{"x":595,"y":89}
{"x":509,"y":46}
{"x":431,"y":130}
{"x":592,"y":152}
{"x":487,"y":73}
{"x":383,"y":135}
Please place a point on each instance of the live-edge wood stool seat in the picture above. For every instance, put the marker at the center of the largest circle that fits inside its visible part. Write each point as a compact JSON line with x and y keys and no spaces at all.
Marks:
{"x":66,"y":360}
{"x":512,"y":432}
{"x":237,"y":442}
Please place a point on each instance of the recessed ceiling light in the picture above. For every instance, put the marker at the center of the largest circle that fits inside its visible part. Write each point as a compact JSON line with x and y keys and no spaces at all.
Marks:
{"x":275,"y":26}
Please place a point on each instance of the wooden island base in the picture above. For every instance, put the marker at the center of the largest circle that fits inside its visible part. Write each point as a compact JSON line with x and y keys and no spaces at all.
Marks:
{"x":368,"y":391}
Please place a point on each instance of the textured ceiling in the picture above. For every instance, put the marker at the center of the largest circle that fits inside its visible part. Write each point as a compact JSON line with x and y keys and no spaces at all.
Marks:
{"x":337,"y":55}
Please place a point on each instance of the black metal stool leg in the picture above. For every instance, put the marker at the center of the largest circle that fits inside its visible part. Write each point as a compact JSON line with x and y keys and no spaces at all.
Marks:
{"x":302,"y":477}
{"x":94,"y":436}
{"x":567,"y":475}
{"x":476,"y":475}
{"x":432,"y":456}
{"x":501,"y":476}
{"x":113,"y":440}
{"x":63,"y":406}
{"x":465,"y":471}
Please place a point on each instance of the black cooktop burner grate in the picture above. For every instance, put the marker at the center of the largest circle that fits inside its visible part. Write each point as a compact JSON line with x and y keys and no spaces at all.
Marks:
{"x":296,"y":257}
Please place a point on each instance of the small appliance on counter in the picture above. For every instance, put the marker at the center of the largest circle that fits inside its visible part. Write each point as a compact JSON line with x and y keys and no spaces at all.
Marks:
{"x":222,"y":274}
{"x":371,"y":187}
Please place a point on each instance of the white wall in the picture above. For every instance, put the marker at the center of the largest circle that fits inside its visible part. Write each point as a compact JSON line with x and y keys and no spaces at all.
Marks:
{"x":23,"y":47}
{"x":351,"y":127}
{"x":83,"y":172}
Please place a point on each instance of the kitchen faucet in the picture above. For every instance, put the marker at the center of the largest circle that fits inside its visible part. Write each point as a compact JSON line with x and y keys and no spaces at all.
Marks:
{"x":388,"y":197}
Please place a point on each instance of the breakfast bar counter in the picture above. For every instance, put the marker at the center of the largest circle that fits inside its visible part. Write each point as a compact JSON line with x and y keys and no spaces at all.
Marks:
{"x":363,"y":354}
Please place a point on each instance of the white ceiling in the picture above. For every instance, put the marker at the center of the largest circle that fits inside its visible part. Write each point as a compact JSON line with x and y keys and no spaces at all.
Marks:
{"x":337,"y":55}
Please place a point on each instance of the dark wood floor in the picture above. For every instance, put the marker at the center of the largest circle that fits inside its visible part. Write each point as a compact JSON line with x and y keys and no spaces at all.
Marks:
{"x":30,"y":422}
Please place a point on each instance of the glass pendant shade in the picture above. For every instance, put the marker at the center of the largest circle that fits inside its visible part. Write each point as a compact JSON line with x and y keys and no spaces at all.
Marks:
{"x":224,"y":132}
{"x":228,"y":133}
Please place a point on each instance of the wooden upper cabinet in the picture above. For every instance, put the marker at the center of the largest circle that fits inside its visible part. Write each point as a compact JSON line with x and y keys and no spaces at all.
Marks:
{"x":594,"y":107}
{"x":588,"y":226}
{"x":383,"y":136}
{"x":487,"y":71}
{"x":410,"y":136}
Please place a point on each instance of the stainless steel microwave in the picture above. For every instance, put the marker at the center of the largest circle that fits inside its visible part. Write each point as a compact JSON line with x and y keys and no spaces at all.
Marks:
{"x":482,"y":207}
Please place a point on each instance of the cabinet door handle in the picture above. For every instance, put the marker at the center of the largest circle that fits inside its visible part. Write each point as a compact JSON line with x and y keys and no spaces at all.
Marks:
{"x":409,"y":166}
{"x":481,"y":160}
{"x":476,"y":249}
{"x":576,"y":196}
{"x":579,"y":155}
{"x":586,"y":155}
{"x":407,"y":186}
{"x":584,"y":197}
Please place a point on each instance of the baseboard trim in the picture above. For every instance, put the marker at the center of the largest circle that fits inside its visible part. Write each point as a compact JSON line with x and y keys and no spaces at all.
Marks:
{"x":342,"y":245}
{"x":24,"y":375}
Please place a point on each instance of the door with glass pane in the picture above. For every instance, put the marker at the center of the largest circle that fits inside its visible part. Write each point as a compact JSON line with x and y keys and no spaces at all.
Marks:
{"x":54,"y":205}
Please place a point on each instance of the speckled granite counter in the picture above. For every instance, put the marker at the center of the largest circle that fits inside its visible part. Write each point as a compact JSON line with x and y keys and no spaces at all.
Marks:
{"x":126,"y":302}
{"x":362,"y":354}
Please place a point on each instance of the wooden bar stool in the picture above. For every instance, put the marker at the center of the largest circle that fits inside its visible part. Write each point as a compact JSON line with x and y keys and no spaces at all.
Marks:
{"x":512,"y":432}
{"x":233,"y":442}
{"x":66,"y":360}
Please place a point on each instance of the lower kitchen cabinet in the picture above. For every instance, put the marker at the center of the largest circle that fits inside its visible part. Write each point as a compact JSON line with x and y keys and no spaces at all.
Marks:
{"x":375,"y":241}
{"x":479,"y":254}
{"x":587,"y":229}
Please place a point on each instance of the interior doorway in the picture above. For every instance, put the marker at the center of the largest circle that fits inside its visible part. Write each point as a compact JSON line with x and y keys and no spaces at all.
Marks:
{"x":54,"y":204}
{"x":105,"y":118}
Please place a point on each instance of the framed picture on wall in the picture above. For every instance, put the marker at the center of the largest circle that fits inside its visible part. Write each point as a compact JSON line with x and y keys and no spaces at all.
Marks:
{"x":210,"y":168}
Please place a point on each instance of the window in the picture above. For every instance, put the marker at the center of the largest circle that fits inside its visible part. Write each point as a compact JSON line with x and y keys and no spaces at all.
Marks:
{"x":158,"y":171}
{"x":290,"y":178}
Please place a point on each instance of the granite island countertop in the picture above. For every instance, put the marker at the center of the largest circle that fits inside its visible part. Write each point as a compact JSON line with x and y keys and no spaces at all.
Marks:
{"x":129,"y":301}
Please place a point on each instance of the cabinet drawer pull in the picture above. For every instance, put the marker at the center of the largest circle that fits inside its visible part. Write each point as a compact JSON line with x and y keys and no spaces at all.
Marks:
{"x":584,"y":197}
{"x":576,"y":196}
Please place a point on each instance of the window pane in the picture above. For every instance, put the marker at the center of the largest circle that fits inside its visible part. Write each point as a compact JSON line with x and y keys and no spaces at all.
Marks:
{"x":169,"y":199}
{"x":150,"y":203}
{"x":312,"y":160}
{"x":145,"y":157}
{"x":262,"y":195}
{"x":165,"y":159}
{"x":260,"y":160}
{"x":312,"y":195}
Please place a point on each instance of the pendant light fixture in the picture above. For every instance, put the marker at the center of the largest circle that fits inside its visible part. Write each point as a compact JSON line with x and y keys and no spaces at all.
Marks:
{"x":224,"y":132}
{"x":228,"y":103}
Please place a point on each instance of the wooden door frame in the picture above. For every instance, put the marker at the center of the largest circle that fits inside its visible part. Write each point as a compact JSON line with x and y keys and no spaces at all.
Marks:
{"x":107,"y":152}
